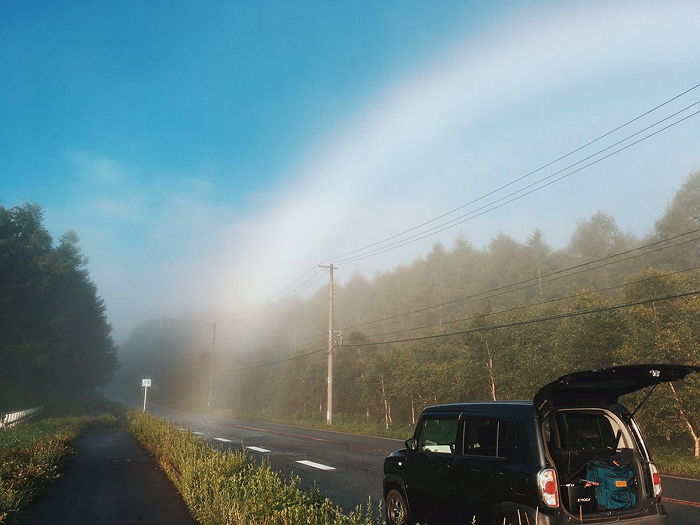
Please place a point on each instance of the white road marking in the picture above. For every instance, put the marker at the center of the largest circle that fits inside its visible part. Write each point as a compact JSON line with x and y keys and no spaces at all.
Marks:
{"x":198,"y":433}
{"x":224,"y":440}
{"x":258,"y":449}
{"x":315,"y":465}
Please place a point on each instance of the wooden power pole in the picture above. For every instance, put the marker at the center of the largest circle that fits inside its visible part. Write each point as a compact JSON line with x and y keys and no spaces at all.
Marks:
{"x":329,"y":397}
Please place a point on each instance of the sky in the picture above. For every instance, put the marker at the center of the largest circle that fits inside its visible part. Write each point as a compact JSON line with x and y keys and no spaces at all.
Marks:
{"x":210,"y":154}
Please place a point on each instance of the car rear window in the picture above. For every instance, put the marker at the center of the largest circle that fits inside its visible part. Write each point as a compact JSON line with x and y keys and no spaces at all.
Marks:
{"x":584,"y":430}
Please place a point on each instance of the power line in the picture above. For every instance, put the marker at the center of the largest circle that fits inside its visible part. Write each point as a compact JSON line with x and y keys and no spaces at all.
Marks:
{"x":292,"y":358}
{"x":537,"y":280}
{"x":453,"y":222}
{"x":315,"y":277}
{"x":308,"y":271}
{"x":309,"y":342}
{"x":317,"y":340}
{"x":489,"y":327}
{"x":533,"y":305}
{"x":487,"y":294}
{"x":517,"y":194}
{"x":531,"y":321}
{"x":544,"y":166}
{"x":309,"y":280}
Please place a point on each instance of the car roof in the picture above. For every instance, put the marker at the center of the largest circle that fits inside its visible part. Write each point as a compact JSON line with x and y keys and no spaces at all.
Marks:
{"x":518,"y":407}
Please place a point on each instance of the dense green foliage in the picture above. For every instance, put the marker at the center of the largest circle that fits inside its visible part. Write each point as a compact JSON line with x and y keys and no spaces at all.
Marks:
{"x":227,"y":487}
{"x":30,"y":457}
{"x":54,"y":337}
{"x":498,"y":296}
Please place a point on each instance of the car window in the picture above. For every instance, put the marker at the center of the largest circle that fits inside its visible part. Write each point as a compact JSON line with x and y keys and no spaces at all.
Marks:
{"x":492,"y":437}
{"x":439,"y":435}
{"x":481,"y":437}
{"x":582,"y":430}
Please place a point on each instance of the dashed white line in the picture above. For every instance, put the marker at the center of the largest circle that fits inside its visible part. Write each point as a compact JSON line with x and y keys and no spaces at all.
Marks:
{"x":315,"y":465}
{"x":198,"y":433}
{"x":224,"y":440}
{"x":258,"y":449}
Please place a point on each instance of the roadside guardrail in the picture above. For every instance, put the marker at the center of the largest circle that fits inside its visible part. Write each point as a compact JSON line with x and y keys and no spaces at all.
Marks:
{"x":9,"y":419}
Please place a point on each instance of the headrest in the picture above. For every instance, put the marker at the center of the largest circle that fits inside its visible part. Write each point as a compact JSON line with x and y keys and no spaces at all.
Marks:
{"x":487,"y":436}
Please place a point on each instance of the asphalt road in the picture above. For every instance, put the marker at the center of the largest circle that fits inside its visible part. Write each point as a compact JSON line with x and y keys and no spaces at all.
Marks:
{"x":111,"y":481}
{"x":348,"y":467}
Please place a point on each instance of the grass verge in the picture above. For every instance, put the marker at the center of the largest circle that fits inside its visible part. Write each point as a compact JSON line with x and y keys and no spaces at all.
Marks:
{"x":676,"y":461}
{"x":228,"y":487}
{"x":30,"y":457}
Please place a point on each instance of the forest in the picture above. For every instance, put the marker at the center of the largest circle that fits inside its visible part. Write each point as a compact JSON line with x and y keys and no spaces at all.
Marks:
{"x":459,"y":324}
{"x":55,"y":340}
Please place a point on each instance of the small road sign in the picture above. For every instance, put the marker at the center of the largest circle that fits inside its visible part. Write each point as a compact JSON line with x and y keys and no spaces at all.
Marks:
{"x":145,"y":383}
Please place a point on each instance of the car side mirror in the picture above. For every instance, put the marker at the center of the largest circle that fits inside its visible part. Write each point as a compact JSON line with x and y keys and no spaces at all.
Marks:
{"x":411,"y":444}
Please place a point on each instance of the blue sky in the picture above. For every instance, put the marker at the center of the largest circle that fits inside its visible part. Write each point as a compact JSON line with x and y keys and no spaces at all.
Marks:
{"x":209,"y":153}
{"x":231,"y":89}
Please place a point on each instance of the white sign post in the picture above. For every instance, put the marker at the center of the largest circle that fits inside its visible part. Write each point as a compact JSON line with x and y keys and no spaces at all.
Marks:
{"x":145,"y":383}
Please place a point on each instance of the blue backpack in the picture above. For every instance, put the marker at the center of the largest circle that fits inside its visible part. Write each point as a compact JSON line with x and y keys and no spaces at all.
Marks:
{"x":615,"y":481}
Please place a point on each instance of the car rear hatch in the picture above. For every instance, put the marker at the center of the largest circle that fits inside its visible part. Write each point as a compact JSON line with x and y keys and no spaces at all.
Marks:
{"x":599,"y":462}
{"x":604,"y":387}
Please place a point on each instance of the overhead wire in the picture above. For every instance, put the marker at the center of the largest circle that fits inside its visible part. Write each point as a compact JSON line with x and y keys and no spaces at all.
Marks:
{"x":361,"y":253}
{"x":510,"y":183}
{"x":508,"y":288}
{"x":283,"y":360}
{"x":463,"y":218}
{"x":534,"y":305}
{"x":536,"y":281}
{"x":517,"y":194}
{"x":553,"y":317}
{"x":511,"y":324}
{"x":558,"y":274}
{"x":244,"y":315}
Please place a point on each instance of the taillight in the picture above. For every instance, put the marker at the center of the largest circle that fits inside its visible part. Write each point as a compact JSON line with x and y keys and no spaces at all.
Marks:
{"x":549,"y":488}
{"x":656,"y":479}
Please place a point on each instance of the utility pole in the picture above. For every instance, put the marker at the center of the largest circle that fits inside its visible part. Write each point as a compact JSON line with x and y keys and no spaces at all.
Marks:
{"x":211,"y":364}
{"x":329,"y":400}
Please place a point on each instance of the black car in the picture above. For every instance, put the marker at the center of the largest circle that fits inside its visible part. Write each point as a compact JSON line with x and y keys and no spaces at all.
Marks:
{"x":573,"y":454}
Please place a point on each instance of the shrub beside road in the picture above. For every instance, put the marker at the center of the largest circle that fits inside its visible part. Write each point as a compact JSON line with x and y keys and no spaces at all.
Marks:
{"x":227,"y":486}
{"x":30,"y":457}
{"x":676,"y":461}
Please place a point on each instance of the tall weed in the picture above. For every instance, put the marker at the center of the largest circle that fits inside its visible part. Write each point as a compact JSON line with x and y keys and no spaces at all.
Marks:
{"x":30,"y":457}
{"x":228,"y":487}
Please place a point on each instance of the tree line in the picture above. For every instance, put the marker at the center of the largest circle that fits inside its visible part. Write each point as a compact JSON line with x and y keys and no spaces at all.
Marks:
{"x":54,"y":336}
{"x":527,"y":314}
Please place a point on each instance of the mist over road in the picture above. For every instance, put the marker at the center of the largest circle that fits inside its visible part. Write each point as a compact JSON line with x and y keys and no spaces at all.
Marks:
{"x":348,"y":467}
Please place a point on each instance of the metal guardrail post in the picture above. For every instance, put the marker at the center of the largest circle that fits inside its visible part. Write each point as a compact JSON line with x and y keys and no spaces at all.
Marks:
{"x":9,"y":419}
